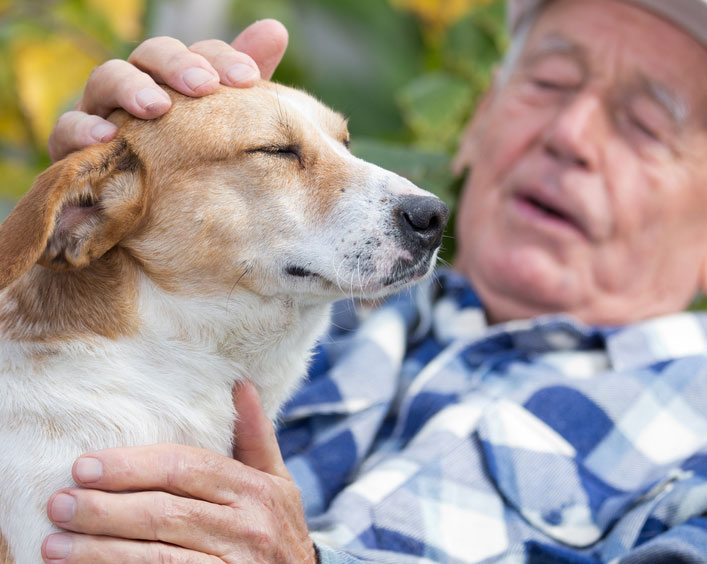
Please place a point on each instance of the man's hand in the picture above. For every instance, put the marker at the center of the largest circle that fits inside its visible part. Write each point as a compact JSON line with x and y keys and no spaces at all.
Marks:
{"x":195,"y":71}
{"x":184,"y":504}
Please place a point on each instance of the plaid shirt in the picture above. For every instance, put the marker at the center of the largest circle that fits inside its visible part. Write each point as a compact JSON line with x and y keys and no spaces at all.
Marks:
{"x":425,"y":436}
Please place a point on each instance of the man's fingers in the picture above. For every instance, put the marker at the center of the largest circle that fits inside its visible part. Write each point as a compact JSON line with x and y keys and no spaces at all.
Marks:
{"x":255,"y":442}
{"x":76,"y":130}
{"x":234,"y":68}
{"x":118,"y":84}
{"x":265,"y":42}
{"x":67,"y":548}
{"x":152,"y":516}
{"x":133,"y":86}
{"x":114,"y":84}
{"x":170,"y":62}
{"x":178,"y":469}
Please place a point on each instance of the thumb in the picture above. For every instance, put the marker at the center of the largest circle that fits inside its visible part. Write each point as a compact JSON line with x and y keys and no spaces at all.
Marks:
{"x":255,"y":444}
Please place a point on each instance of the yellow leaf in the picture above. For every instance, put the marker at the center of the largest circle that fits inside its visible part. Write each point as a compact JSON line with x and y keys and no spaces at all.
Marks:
{"x":50,"y":73}
{"x":17,"y":178}
{"x":439,"y":14}
{"x":124,"y":16}
{"x":11,"y":129}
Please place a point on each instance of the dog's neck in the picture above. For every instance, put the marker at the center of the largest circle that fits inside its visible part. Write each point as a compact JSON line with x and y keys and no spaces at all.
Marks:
{"x":265,"y":339}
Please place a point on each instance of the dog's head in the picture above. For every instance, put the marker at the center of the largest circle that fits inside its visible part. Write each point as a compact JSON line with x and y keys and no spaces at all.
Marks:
{"x":255,"y":186}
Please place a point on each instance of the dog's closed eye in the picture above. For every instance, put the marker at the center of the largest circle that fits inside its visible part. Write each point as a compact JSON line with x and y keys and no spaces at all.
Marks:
{"x":287,"y":151}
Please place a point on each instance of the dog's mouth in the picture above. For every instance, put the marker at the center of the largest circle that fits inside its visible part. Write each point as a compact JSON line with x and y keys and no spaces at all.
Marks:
{"x":402,"y":273}
{"x":300,"y":272}
{"x":405,"y":272}
{"x":306,"y":275}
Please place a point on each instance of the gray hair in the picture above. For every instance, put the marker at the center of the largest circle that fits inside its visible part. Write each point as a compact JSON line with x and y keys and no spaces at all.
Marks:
{"x":519,"y":37}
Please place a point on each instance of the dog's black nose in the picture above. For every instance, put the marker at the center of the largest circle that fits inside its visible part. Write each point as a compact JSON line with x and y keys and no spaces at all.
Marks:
{"x":422,"y":220}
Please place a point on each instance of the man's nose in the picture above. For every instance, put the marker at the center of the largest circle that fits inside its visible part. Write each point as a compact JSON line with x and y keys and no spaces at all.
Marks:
{"x":574,"y":136}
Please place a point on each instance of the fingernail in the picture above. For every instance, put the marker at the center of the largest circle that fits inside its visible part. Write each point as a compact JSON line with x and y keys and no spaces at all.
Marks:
{"x":57,"y":546}
{"x":88,"y":470}
{"x":196,"y":77}
{"x":149,"y":98}
{"x":103,"y":132}
{"x":63,"y":508}
{"x":241,"y":73}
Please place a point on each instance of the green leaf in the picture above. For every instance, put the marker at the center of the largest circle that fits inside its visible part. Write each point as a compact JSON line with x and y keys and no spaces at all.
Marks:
{"x":473,"y":47}
{"x":435,"y":107}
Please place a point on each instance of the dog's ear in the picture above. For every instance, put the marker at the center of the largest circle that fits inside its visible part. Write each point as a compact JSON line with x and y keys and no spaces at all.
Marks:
{"x":75,"y":212}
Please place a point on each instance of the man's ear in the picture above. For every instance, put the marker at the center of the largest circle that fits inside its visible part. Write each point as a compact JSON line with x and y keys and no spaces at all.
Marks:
{"x":469,"y":140}
{"x":78,"y":209}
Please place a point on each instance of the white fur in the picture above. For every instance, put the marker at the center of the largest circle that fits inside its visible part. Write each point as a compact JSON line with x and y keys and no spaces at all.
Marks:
{"x":167,"y":384}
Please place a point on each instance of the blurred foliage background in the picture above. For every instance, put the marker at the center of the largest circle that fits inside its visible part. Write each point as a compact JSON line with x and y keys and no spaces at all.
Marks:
{"x":407,"y":73}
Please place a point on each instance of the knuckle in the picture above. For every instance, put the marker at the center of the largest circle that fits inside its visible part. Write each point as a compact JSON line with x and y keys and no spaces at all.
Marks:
{"x":66,"y":123}
{"x":82,"y":126}
{"x":154,"y":45}
{"x":210,"y":46}
{"x":160,"y":515}
{"x":242,"y":58}
{"x":183,"y":59}
{"x":125,"y":89}
{"x":91,"y":505}
{"x":108,"y":69}
{"x":176,"y":467}
{"x":257,"y":534}
{"x":162,"y":554}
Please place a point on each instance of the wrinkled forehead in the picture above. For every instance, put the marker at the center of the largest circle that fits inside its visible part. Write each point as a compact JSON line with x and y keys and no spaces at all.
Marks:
{"x":232,"y":120}
{"x":619,"y":40}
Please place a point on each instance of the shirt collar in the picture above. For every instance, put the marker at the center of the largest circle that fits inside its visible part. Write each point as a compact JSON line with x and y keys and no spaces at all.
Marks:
{"x":459,"y":314}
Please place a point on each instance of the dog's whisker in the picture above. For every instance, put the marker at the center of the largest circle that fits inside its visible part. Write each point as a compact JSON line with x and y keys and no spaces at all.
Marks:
{"x":246,"y":270}
{"x":358,"y":270}
{"x":337,"y":276}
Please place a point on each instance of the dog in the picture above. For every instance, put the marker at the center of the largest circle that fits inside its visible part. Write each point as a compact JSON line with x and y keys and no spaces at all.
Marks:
{"x":143,"y":278}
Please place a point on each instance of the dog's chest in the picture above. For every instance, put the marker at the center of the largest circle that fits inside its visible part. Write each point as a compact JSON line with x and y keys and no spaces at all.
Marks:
{"x":127,"y":393}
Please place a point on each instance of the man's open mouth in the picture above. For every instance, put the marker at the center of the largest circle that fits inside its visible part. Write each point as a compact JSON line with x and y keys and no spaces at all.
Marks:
{"x":552,"y":211}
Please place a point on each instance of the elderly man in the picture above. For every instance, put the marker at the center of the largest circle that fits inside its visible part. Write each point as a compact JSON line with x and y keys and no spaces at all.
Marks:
{"x":556,"y":412}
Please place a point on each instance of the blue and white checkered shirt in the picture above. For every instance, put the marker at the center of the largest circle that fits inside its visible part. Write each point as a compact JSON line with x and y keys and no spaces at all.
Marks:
{"x":425,"y":436}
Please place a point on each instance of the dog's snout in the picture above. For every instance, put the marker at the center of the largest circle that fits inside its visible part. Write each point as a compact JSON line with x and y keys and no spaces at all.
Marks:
{"x":422,"y":220}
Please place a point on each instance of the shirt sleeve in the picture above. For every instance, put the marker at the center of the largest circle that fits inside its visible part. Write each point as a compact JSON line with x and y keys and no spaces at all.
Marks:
{"x":328,"y":555}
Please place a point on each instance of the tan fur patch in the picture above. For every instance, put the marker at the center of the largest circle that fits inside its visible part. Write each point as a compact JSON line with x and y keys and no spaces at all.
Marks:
{"x":97,"y":300}
{"x":5,"y":556}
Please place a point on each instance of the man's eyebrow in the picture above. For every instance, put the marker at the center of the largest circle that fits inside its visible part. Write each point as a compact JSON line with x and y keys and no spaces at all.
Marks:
{"x":555,"y":44}
{"x":665,"y":97}
{"x":671,"y":102}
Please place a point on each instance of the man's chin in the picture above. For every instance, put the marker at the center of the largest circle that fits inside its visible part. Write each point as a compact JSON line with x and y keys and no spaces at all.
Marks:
{"x":522,"y":283}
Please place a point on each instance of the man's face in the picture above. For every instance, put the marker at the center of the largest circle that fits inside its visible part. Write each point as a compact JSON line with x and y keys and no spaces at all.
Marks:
{"x":589,"y":186}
